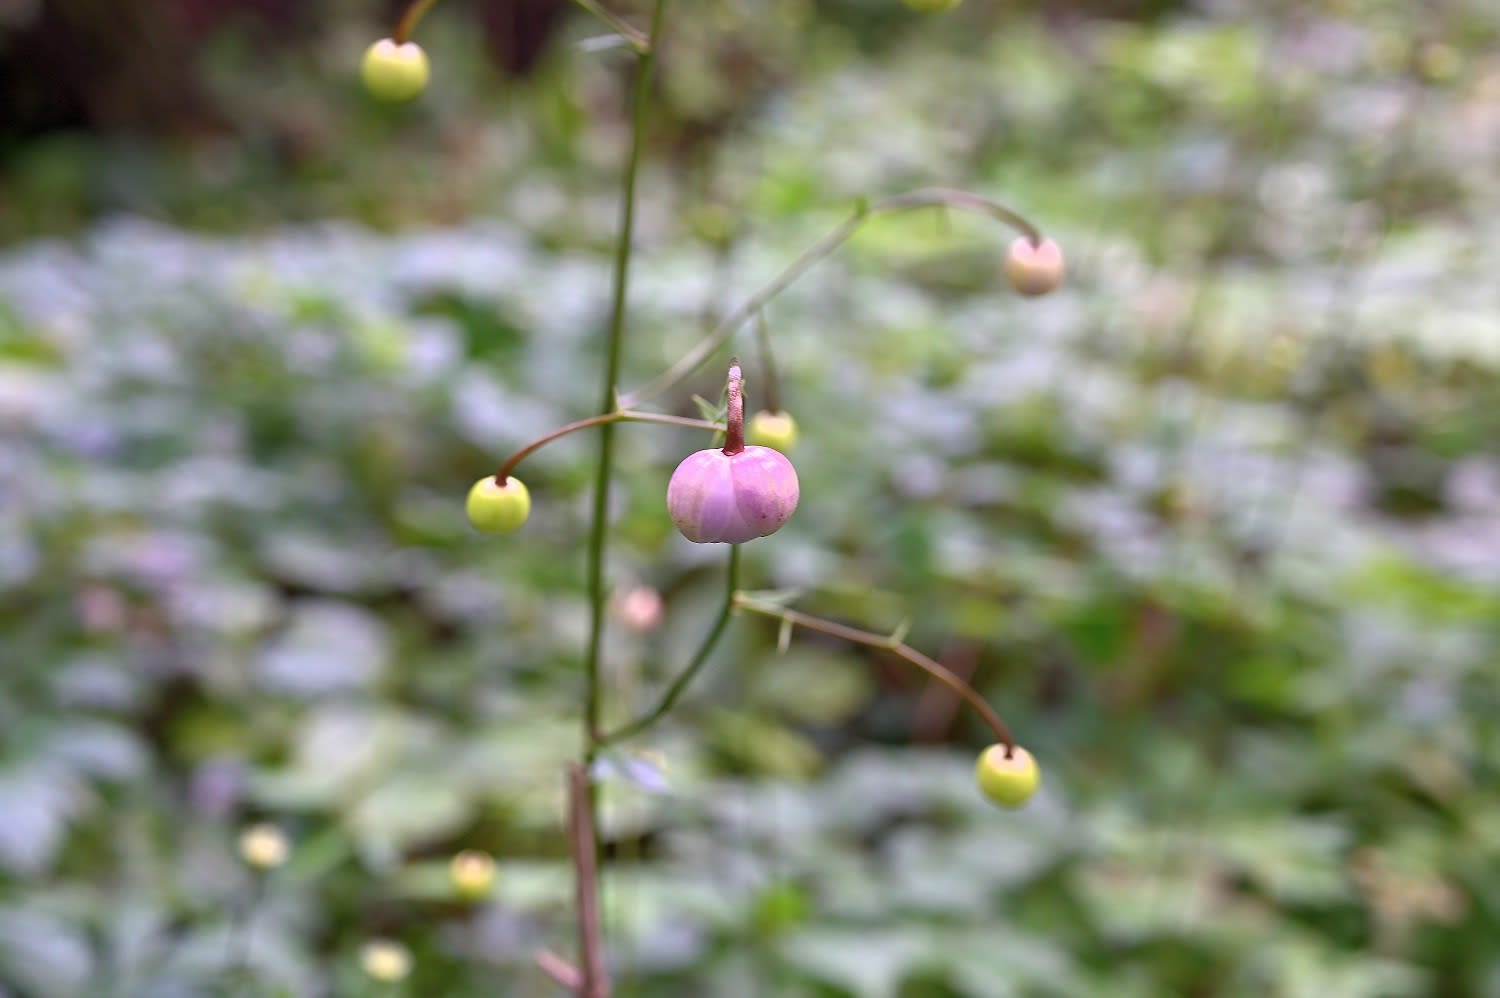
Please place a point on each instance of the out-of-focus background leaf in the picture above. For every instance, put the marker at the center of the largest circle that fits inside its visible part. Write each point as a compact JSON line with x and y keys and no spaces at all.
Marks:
{"x":1216,"y":527}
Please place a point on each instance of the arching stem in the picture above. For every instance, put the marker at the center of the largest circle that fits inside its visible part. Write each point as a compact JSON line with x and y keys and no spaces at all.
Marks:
{"x":768,"y":362}
{"x":927,"y":197}
{"x":675,"y":689}
{"x":618,"y":416}
{"x":885,"y":642}
{"x":409,"y":19}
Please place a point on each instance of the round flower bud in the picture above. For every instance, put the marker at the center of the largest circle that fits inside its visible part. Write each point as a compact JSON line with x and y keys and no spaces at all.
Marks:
{"x":1008,"y":780}
{"x":498,"y":509}
{"x":639,"y":608}
{"x":263,"y":846}
{"x":931,"y":6}
{"x":473,"y":873}
{"x":385,"y":960}
{"x":715,"y":497}
{"x":1034,"y":269}
{"x":773,"y":429}
{"x":394,"y":72}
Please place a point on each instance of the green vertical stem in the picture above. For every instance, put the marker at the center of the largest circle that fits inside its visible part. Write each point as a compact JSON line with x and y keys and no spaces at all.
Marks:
{"x":685,"y":677}
{"x":609,"y":402}
{"x":772,"y":391}
{"x":599,"y":530}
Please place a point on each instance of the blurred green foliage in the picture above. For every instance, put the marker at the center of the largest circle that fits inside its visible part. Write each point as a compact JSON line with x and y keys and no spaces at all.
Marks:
{"x":1217,"y":527}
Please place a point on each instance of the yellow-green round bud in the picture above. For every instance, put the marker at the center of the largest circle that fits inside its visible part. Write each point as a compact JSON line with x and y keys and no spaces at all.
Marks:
{"x":773,"y":429}
{"x":494,"y":508}
{"x":473,"y":873}
{"x":395,"y":72}
{"x":931,"y":6}
{"x":1007,"y":778}
{"x":385,"y":960}
{"x":264,"y":846}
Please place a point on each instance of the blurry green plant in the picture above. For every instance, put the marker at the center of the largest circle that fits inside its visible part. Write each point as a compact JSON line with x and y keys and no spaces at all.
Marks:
{"x":729,"y":495}
{"x":1220,"y":525}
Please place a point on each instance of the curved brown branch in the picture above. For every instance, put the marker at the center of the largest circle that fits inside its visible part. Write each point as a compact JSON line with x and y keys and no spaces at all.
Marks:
{"x":889,"y":643}
{"x":618,"y":416}
{"x":927,"y":197}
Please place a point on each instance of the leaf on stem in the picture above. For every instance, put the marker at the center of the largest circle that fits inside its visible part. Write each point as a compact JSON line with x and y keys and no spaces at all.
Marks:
{"x":710,"y":411}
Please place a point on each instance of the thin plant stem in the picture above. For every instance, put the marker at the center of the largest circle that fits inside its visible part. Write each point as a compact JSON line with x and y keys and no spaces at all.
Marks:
{"x":593,"y":979}
{"x":638,"y":41}
{"x":409,"y":19}
{"x":927,"y":197}
{"x":240,"y":933}
{"x":599,"y":531}
{"x":564,"y":973}
{"x":700,"y":658}
{"x":599,"y":526}
{"x":618,"y":416}
{"x":768,"y":362}
{"x":884,"y":642}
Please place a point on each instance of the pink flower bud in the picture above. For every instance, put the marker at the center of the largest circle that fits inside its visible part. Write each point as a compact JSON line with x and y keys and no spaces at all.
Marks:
{"x":715,"y":497}
{"x":1034,"y":269}
{"x":639,"y":608}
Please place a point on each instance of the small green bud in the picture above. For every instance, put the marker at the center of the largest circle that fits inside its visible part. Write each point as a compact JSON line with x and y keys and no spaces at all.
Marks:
{"x":385,"y":960}
{"x":473,"y":873}
{"x":264,"y":846}
{"x":498,"y":509}
{"x":931,"y":6}
{"x":773,"y":429}
{"x":395,"y":72}
{"x":1007,"y":779}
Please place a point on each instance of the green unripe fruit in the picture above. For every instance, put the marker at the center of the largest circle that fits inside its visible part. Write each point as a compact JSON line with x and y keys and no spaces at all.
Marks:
{"x":472,"y":873}
{"x":498,"y":509}
{"x":1034,"y":268}
{"x":1007,"y":780}
{"x":931,"y":6}
{"x":394,"y":72}
{"x":773,"y":429}
{"x":386,"y":960}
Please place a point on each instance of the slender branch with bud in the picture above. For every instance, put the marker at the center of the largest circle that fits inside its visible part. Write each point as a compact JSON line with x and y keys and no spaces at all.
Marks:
{"x":931,"y":197}
{"x":892,"y":643}
{"x":731,"y":494}
{"x":618,"y":416}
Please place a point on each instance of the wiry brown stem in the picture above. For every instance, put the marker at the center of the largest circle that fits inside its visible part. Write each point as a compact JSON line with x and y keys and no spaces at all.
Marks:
{"x":889,"y":643}
{"x":927,"y":197}
{"x":618,"y":416}
{"x":409,"y":19}
{"x":593,"y":980}
{"x":560,"y":970}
